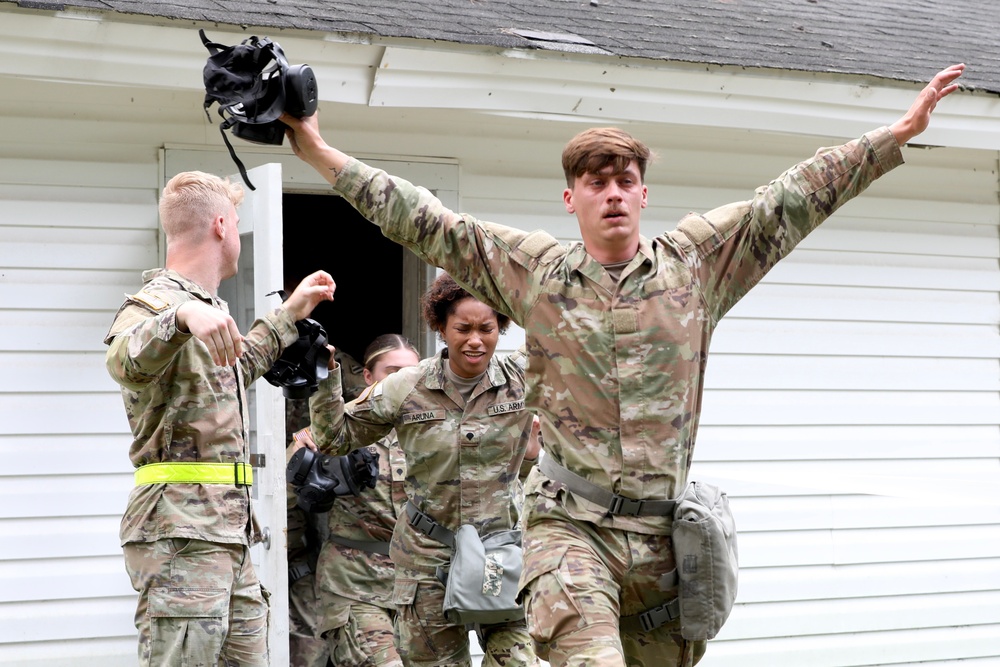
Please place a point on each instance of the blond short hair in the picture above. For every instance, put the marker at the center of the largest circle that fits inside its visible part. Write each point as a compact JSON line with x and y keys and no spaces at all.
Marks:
{"x":595,"y":149}
{"x":192,"y":197}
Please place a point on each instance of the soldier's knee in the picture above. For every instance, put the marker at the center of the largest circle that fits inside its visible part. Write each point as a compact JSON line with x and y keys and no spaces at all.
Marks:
{"x":595,"y":646}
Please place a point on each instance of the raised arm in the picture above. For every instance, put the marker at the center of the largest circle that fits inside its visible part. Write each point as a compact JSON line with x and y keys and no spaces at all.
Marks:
{"x":309,"y":145}
{"x":918,"y":116}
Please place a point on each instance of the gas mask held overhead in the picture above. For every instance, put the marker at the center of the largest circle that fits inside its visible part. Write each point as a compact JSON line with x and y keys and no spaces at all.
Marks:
{"x":253,"y":84}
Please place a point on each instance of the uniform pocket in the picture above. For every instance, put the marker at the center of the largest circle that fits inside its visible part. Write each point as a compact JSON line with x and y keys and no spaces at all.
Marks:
{"x":552,"y":609}
{"x":404,"y":592}
{"x":540,"y":563}
{"x":187,"y":625}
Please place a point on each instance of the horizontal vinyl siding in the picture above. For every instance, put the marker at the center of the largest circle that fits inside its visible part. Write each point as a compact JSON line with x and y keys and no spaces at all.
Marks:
{"x":69,"y":250}
{"x":852,"y":411}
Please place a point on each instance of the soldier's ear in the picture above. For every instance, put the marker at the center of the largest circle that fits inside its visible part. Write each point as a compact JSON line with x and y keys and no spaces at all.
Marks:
{"x":219,"y":226}
{"x":568,"y":200}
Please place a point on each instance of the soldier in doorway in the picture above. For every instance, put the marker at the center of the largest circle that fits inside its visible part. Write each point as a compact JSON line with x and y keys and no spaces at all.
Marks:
{"x":307,"y":532}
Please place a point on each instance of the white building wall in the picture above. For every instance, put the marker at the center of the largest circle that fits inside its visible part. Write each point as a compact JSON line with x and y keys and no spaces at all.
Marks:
{"x":852,"y":402}
{"x":73,"y":238}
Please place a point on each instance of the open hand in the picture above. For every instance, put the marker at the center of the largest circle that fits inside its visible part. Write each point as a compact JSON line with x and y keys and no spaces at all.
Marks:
{"x":916,"y":119}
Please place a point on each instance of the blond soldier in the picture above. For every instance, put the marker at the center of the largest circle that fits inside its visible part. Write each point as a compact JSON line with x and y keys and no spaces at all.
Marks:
{"x":184,"y":369}
{"x":618,"y":329}
{"x":467,"y":439}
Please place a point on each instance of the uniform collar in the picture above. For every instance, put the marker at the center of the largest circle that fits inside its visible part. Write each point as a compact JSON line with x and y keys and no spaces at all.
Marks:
{"x":186,"y":284}
{"x":578,"y":259}
{"x":435,"y":378}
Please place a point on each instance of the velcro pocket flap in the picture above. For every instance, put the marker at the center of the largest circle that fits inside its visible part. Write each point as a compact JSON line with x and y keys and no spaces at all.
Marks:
{"x":540,"y":562}
{"x":188,"y":603}
{"x":404,"y":592}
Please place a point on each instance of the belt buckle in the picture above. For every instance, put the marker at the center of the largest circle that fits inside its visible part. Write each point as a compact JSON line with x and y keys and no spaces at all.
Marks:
{"x":240,"y":480}
{"x":422,"y":522}
{"x":620,"y":505}
{"x":655,"y":617}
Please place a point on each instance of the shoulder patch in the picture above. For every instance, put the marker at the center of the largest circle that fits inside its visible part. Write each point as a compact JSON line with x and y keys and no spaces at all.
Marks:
{"x":369,"y":392}
{"x":696,"y":228}
{"x":151,"y":300}
{"x":537,"y":243}
{"x":726,"y":217}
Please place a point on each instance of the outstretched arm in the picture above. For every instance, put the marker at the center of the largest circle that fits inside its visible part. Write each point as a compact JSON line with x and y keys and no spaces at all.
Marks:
{"x":916,"y":119}
{"x":309,"y":145}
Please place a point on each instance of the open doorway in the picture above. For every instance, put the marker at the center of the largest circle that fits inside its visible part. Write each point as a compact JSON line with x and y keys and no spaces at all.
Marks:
{"x":379,"y":282}
{"x":325,"y":232}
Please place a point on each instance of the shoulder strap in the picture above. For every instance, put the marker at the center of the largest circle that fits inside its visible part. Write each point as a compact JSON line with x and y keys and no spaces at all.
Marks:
{"x":428,"y":526}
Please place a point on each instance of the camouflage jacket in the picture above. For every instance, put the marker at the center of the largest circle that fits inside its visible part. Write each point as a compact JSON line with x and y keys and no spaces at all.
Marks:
{"x":182,"y":407}
{"x":354,"y":573}
{"x":463,"y":464}
{"x":616,"y":371}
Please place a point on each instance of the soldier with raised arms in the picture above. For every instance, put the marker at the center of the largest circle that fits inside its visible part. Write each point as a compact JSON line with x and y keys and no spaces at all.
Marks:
{"x":618,"y":329}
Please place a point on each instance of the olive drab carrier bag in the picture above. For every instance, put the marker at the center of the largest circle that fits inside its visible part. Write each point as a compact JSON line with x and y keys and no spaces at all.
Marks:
{"x":481,"y":580}
{"x":704,"y":537}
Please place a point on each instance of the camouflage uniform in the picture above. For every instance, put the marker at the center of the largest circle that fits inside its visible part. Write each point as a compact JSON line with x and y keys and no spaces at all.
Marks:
{"x":616,"y":373}
{"x":306,"y":534}
{"x":463,"y":465}
{"x":305,"y":648}
{"x":355,"y":585}
{"x":187,"y":545}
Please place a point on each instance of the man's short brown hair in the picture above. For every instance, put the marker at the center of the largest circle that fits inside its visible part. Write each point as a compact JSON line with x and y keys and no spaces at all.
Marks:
{"x":600,"y":147}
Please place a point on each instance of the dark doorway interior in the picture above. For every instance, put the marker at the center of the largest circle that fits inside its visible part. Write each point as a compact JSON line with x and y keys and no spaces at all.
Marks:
{"x":325,"y":232}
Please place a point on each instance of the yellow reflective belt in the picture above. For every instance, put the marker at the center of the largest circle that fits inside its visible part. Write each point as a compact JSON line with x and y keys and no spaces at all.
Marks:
{"x":193,"y":472}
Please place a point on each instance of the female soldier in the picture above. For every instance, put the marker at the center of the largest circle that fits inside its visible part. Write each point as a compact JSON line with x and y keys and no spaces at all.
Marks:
{"x":354,"y":575}
{"x":462,"y":426}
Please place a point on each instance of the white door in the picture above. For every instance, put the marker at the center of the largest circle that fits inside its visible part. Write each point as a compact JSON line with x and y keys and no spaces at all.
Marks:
{"x":260,"y":273}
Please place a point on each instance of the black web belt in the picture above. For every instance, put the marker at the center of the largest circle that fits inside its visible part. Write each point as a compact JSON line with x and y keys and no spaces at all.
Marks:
{"x":612,"y":502}
{"x":618,"y":505}
{"x":426,"y":524}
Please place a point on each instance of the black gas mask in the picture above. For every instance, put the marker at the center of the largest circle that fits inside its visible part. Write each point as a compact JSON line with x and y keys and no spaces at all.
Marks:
{"x":304,"y":364}
{"x":253,"y":84}
{"x":319,"y":479}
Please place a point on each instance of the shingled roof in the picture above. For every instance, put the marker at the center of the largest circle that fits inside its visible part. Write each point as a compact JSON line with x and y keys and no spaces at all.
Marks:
{"x":905,"y":40}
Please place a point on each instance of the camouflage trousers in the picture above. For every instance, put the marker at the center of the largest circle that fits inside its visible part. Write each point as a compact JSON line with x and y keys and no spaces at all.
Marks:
{"x":427,"y":639}
{"x":580,"y":579}
{"x":200,"y":604}
{"x":304,"y":647}
{"x":359,"y":634}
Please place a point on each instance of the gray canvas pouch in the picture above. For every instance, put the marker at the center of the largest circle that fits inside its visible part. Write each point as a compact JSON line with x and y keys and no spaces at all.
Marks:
{"x":481,"y":585}
{"x":704,"y":536}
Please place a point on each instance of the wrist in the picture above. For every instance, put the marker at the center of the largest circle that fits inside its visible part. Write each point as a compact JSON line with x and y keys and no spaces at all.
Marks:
{"x":180,"y":322}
